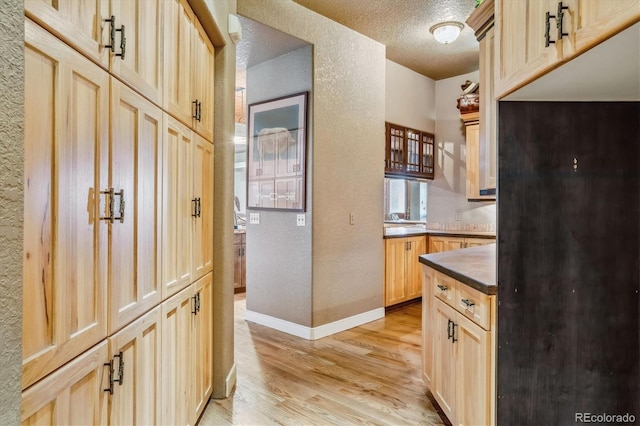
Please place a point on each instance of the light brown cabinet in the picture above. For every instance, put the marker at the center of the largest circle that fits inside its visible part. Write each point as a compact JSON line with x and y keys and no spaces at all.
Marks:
{"x":240,"y":266}
{"x":476,"y":162}
{"x":188,"y":68}
{"x":534,"y":37}
{"x":132,"y":27}
{"x":403,"y":279}
{"x":438,"y":244}
{"x":458,"y":354}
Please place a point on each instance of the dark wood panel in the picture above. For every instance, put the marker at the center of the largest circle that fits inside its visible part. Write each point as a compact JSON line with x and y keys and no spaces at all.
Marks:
{"x":568,"y":261}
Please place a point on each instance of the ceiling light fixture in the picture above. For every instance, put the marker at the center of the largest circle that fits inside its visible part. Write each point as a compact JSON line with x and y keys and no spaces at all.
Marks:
{"x":446,"y":32}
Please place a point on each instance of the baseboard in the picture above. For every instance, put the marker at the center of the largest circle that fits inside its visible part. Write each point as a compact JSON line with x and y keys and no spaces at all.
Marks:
{"x":230,"y":381}
{"x":314,"y":333}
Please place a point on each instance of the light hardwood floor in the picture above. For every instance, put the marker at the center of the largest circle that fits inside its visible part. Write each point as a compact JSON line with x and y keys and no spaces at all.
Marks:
{"x":366,"y":375}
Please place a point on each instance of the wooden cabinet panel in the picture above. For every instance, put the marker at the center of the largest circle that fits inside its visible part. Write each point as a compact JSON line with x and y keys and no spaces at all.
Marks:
{"x":203,"y":62}
{"x":444,"y":362}
{"x":427,"y":325}
{"x":136,"y":397}
{"x":202,"y":377}
{"x":73,"y":395}
{"x":177,"y":341}
{"x":473,"y":382}
{"x":79,"y":23}
{"x":439,"y":244}
{"x":417,"y":247}
{"x":395,"y":271}
{"x":65,"y":242}
{"x":136,"y":145}
{"x":239,"y":278}
{"x":177,"y":206}
{"x":178,"y":73}
{"x":141,"y":65}
{"x":475,"y":242}
{"x":488,"y":118}
{"x":202,"y":220}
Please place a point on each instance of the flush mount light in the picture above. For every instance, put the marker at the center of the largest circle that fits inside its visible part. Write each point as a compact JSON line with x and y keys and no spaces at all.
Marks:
{"x":446,"y":32}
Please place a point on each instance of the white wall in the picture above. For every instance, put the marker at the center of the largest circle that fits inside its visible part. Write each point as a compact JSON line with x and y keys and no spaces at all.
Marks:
{"x":447,"y":192}
{"x":410,"y":98}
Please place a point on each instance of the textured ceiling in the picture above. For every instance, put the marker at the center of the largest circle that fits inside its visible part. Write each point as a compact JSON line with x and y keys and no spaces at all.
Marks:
{"x":401,"y":25}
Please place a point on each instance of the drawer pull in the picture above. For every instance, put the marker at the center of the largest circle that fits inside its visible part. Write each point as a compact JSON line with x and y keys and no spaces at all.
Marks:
{"x":467,"y":303}
{"x":442,"y":288}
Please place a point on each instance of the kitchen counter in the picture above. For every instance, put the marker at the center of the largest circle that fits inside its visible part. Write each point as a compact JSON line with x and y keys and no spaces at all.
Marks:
{"x":242,"y":230}
{"x":410,"y":231}
{"x":475,"y":266}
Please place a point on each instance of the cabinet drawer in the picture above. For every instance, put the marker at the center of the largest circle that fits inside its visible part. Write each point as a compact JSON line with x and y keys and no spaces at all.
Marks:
{"x":474,"y":305}
{"x":444,"y":288}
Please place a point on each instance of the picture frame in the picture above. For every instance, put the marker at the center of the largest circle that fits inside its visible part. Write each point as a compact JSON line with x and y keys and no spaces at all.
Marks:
{"x":276,"y":154}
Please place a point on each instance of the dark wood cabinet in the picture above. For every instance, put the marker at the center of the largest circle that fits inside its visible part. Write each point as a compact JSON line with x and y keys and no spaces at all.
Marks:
{"x":409,"y":152}
{"x":239,"y":277}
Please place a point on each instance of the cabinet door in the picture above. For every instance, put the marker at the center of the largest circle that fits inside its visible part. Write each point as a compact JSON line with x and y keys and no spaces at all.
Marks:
{"x":597,"y":20}
{"x":475,"y":242}
{"x":65,"y":242}
{"x":394,"y":270}
{"x":417,"y":247}
{"x":79,"y":23}
{"x":202,"y":377}
{"x":202,"y":222}
{"x":522,"y":54}
{"x":427,"y":326}
{"x":177,"y":206}
{"x":473,"y":160}
{"x":444,"y":365}
{"x":178,"y":74}
{"x":177,"y":358}
{"x":136,"y":394}
{"x":140,"y":63}
{"x":73,"y":395}
{"x":473,"y":381}
{"x":136,"y":144}
{"x":488,"y":117}
{"x":203,"y":63}
{"x":453,"y":243}
{"x":395,"y":149}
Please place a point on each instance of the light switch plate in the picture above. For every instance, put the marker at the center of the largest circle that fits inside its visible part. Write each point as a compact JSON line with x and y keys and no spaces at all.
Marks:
{"x":300,"y":220}
{"x":254,"y":218}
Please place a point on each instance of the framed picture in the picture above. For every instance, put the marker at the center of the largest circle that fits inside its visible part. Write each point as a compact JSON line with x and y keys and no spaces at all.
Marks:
{"x":277,"y":152}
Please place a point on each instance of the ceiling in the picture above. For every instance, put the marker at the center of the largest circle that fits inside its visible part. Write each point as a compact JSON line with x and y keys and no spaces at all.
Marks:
{"x":401,"y":25}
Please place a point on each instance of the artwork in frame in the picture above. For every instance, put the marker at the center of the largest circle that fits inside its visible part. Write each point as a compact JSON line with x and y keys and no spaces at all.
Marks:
{"x":276,"y":161}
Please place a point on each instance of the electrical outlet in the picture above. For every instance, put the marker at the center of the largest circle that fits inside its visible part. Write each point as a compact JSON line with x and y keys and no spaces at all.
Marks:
{"x":254,"y":218}
{"x":352,"y":218}
{"x":300,"y":220}
{"x":458,"y":216}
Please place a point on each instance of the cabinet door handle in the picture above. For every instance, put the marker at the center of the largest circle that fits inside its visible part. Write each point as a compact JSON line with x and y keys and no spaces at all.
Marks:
{"x":547,"y":37}
{"x":120,"y":368}
{"x":123,"y":42}
{"x":449,"y":329}
{"x":559,"y":19}
{"x":110,"y":388}
{"x":122,"y":206}
{"x":194,"y":304}
{"x":453,"y":332}
{"x":112,"y":34}
{"x":110,"y":199}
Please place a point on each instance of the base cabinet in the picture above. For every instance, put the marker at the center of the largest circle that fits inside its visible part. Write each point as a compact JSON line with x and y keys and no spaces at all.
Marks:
{"x":439,"y":244}
{"x":458,"y":359}
{"x":403,"y":279}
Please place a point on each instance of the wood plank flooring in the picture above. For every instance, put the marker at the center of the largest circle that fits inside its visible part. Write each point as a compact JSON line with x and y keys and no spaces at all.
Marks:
{"x":366,"y":375}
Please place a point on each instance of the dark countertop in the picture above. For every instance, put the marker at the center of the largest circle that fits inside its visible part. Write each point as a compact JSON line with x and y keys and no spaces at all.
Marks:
{"x":411,"y":231}
{"x":474,"y":266}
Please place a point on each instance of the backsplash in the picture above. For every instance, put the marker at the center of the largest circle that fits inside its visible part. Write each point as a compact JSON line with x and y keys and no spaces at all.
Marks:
{"x":457,"y":226}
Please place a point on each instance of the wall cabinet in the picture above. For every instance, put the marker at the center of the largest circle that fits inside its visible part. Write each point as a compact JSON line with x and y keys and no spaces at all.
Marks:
{"x":240,"y":266}
{"x":534,"y":37}
{"x":403,"y":279}
{"x":476,"y":158}
{"x":136,"y":55}
{"x":187,"y":322}
{"x":188,"y":68}
{"x":409,"y":152}
{"x":457,"y":354}
{"x":438,"y":244}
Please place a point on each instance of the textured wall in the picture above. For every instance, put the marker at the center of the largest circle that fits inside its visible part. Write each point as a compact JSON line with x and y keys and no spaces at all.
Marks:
{"x":279,"y":281}
{"x":348,"y":154}
{"x":447,"y":193}
{"x":11,"y":207}
{"x":410,"y":98}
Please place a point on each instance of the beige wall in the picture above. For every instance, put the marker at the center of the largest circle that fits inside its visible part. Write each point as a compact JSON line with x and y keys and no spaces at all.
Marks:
{"x":447,"y":193}
{"x":11,"y":207}
{"x":410,"y":98}
{"x":348,"y":153}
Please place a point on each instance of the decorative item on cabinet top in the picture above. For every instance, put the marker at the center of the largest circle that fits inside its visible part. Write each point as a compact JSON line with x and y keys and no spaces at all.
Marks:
{"x":469,"y":100}
{"x":408,"y":152}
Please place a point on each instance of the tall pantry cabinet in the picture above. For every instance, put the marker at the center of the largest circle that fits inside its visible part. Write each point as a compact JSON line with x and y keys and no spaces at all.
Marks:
{"x":118,"y":206}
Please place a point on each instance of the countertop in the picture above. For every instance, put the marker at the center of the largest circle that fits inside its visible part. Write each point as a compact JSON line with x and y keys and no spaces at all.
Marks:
{"x":475,"y":266}
{"x":410,"y":231}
